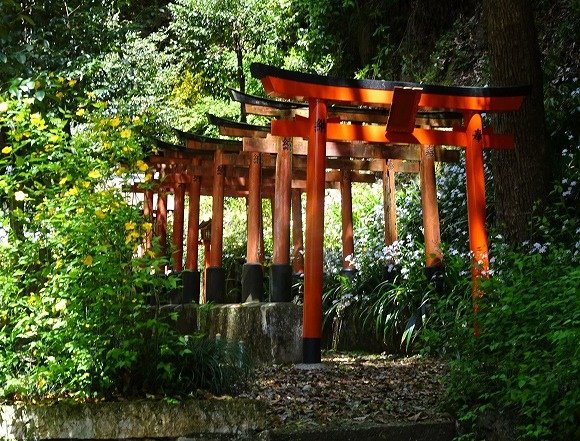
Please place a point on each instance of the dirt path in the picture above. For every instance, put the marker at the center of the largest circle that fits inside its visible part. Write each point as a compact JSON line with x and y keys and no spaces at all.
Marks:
{"x":352,"y":388}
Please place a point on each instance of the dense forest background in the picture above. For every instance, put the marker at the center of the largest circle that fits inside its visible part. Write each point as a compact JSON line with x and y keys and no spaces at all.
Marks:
{"x":87,"y":85}
{"x":174,"y":61}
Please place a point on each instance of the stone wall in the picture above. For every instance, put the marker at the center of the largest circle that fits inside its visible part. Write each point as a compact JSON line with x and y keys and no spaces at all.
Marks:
{"x":132,"y":420}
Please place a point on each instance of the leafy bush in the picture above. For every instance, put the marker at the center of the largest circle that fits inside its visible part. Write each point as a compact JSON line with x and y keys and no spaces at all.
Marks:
{"x":74,"y":281}
{"x":526,"y":363}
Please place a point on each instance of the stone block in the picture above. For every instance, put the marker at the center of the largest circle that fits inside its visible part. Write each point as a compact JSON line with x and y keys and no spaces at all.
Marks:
{"x":271,"y":332}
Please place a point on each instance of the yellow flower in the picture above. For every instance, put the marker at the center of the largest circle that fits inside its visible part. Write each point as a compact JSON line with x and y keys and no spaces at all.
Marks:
{"x":91,"y":95}
{"x":115,"y":121}
{"x":94,"y":174}
{"x":63,"y":180}
{"x":20,"y":195}
{"x":148,"y":177}
{"x":88,"y":260}
{"x":61,"y":80}
{"x":141,"y":165}
{"x":71,"y":83}
{"x":131,"y":236}
{"x":99,"y":213}
{"x":86,"y":184}
{"x":73,"y":191}
{"x":126,"y":133}
{"x":120,"y":171}
{"x":130,"y":226}
{"x":6,"y":149}
{"x":3,"y":106}
{"x":80,"y":112}
{"x":80,"y":210}
{"x":147,"y":226}
{"x":136,"y":120}
{"x":59,"y":95}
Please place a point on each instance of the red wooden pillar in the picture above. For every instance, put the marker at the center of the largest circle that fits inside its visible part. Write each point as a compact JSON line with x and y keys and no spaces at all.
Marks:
{"x":297,"y":233}
{"x":148,"y":213}
{"x":191,"y":276}
{"x":215,"y":274}
{"x":347,"y":229}
{"x":431,"y":231}
{"x":390,"y":270}
{"x":390,"y":209}
{"x":193,"y":224}
{"x":178,"y":224}
{"x":281,"y":270}
{"x":313,"y":271}
{"x":252,"y":272}
{"x":476,"y":205}
{"x":161,"y":222}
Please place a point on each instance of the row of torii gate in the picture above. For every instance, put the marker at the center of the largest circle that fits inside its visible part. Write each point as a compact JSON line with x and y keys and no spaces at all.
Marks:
{"x":342,"y":131}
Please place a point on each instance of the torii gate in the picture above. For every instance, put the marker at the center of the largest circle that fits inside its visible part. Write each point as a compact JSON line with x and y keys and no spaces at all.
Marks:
{"x":404,"y":100}
{"x":346,"y":157}
{"x":425,"y":157}
{"x":258,"y":143}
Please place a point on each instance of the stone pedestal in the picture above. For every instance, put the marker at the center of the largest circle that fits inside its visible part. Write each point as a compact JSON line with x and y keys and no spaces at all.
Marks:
{"x":271,"y":332}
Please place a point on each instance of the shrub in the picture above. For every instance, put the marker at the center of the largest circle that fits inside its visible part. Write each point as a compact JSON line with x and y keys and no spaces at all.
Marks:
{"x":74,"y":284}
{"x":526,"y":363}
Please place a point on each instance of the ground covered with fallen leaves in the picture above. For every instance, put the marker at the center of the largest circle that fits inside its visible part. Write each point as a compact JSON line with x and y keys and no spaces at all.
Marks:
{"x":352,"y":388}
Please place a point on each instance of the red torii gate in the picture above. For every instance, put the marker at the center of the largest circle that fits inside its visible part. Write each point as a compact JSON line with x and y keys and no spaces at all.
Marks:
{"x":404,"y":100}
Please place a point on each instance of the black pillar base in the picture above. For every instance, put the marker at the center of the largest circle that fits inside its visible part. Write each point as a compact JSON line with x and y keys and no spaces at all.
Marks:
{"x":281,"y":283}
{"x":215,"y":284}
{"x":311,"y":350}
{"x":190,"y":280}
{"x":390,"y":272}
{"x":435,"y":275}
{"x":349,"y":273}
{"x":252,"y":282}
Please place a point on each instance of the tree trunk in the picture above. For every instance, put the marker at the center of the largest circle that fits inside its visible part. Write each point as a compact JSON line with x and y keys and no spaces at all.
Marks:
{"x":521,"y":176}
{"x":241,"y":76}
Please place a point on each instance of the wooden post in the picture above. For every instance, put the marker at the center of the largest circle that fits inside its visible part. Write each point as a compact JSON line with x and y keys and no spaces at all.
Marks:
{"x":476,"y":205}
{"x":178,"y":224}
{"x":431,"y":231}
{"x":161,"y":222}
{"x":191,"y":277}
{"x":252,"y":272}
{"x":297,"y":233}
{"x":313,"y":272}
{"x":254,"y":210}
{"x":281,"y":271}
{"x":390,"y":270}
{"x":390,"y":209}
{"x":193,"y":224}
{"x":347,"y":229}
{"x":148,"y":213}
{"x":215,"y":274}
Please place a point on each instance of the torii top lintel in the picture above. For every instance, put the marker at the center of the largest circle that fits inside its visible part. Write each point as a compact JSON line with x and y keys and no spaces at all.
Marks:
{"x":291,"y":84}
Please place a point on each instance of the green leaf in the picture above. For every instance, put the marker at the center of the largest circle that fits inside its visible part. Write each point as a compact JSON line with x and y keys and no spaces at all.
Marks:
{"x":20,"y":57}
{"x":39,"y":95}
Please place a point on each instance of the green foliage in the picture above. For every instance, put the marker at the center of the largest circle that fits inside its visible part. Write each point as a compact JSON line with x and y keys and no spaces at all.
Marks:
{"x":75,"y":286}
{"x":526,"y":362}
